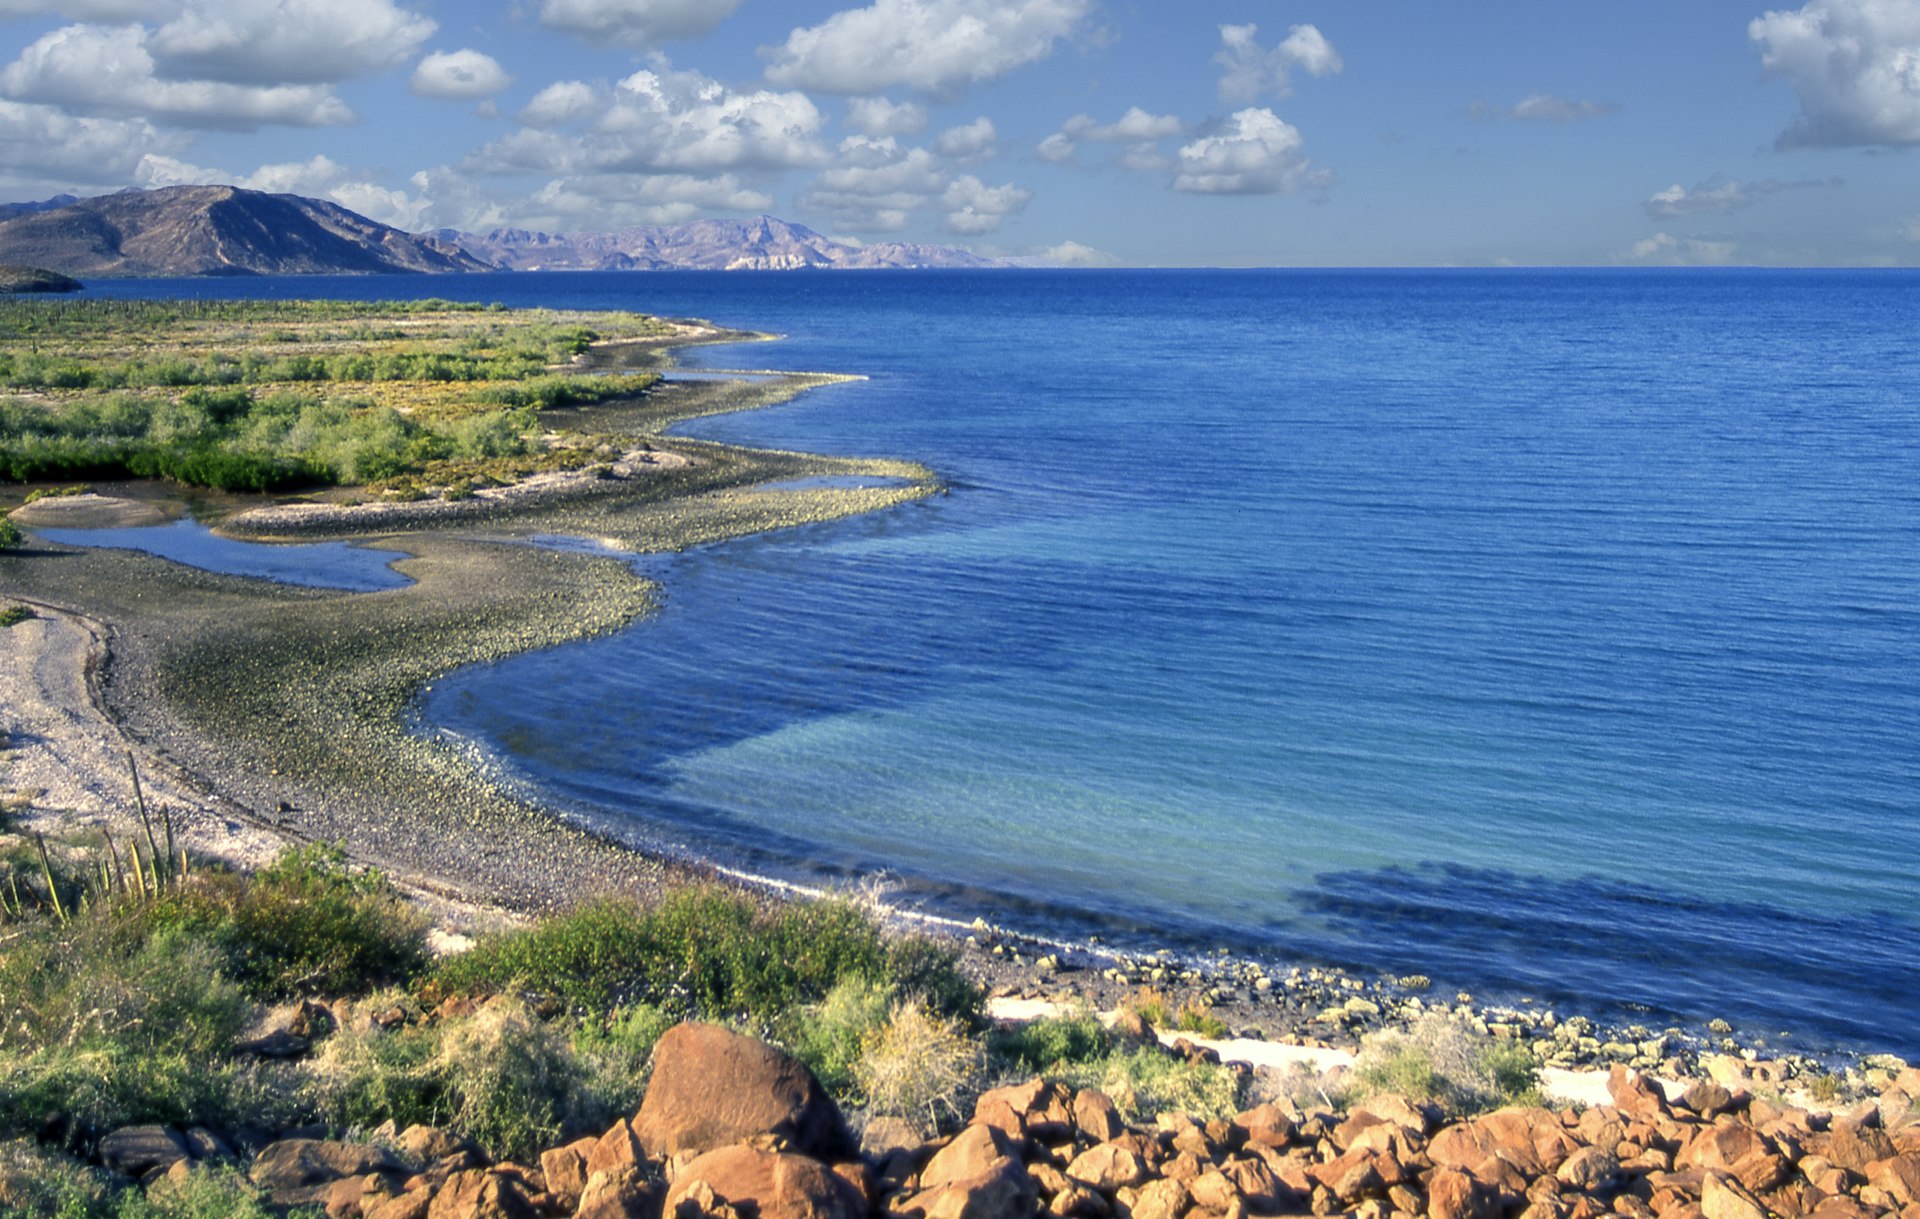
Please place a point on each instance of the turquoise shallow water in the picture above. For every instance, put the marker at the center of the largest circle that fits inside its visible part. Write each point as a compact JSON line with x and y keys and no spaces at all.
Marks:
{"x":1551,"y":633}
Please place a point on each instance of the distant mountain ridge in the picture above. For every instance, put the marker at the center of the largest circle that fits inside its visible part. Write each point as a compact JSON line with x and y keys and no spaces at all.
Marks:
{"x":217,"y":230}
{"x":227,"y":230}
{"x":763,"y":243}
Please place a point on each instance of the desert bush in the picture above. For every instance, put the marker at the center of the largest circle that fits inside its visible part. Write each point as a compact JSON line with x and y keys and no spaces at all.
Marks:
{"x":1443,"y":1061}
{"x":205,"y":1193}
{"x":36,"y":1183}
{"x":830,"y":1036}
{"x":10,"y":535}
{"x":1052,"y":1046}
{"x":616,"y":1052}
{"x":307,"y":924}
{"x":919,"y":1066}
{"x":101,"y":1028}
{"x":702,"y":950}
{"x":1147,"y":1082}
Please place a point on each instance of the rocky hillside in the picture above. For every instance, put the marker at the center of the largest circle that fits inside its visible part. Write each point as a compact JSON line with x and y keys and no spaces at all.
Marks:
{"x":760,"y":244}
{"x":34,"y":279}
{"x":217,"y":230}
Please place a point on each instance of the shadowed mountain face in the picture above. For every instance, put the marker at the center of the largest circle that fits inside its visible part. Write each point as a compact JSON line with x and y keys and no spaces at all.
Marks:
{"x":760,"y":244}
{"x":218,"y":230}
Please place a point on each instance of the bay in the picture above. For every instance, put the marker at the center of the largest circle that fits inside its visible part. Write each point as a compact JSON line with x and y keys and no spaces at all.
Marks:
{"x":1552,"y":633}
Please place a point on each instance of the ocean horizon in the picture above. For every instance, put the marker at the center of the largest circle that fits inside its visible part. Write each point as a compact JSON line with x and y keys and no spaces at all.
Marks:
{"x":1552,"y":633}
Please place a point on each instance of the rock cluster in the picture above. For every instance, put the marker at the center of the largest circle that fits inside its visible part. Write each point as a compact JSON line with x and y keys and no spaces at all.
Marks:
{"x":734,"y":1129}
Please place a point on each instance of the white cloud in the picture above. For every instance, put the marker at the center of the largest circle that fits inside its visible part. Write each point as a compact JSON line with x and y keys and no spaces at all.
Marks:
{"x":973,"y":207}
{"x":1855,"y":65}
{"x":459,"y":76}
{"x":285,"y":42}
{"x":1135,"y":126}
{"x":1256,"y":154}
{"x":1543,"y":107}
{"x":597,"y":203}
{"x":937,"y":46}
{"x":637,"y":23}
{"x":875,"y":184}
{"x":561,"y":103}
{"x":1666,"y":250}
{"x":1057,"y":148}
{"x":657,"y":122}
{"x":46,"y":150}
{"x":878,"y":116}
{"x":975,"y":141}
{"x":1073,"y":254}
{"x":318,"y":178}
{"x":1248,"y":71}
{"x":107,"y":70}
{"x":1721,"y":195}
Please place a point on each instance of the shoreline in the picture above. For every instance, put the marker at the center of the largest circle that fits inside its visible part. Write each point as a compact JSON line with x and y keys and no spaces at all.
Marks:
{"x":295,"y":703}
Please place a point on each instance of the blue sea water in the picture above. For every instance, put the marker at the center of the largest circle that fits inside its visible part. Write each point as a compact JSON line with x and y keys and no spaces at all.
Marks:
{"x":1555,"y":634}
{"x":314,"y":564}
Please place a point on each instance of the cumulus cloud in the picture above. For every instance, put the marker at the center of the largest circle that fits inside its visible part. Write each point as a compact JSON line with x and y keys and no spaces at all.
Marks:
{"x":1855,"y":65}
{"x":45,"y":150}
{"x":1057,"y":148}
{"x":1073,"y":254}
{"x":1721,"y":195}
{"x":973,"y":207}
{"x":1248,"y":71}
{"x":1256,"y":153}
{"x":1666,"y":250}
{"x":318,"y":178}
{"x":108,"y":70}
{"x":600,"y":202}
{"x":1543,"y":107}
{"x":937,"y":46}
{"x":878,"y":117}
{"x":1137,"y":128}
{"x":657,"y":122}
{"x":635,"y":23}
{"x":876,"y":185}
{"x":459,"y":76}
{"x":285,"y":42}
{"x":973,"y":141}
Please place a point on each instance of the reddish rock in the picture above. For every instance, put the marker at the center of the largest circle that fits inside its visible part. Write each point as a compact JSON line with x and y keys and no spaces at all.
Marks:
{"x":1213,"y":1190}
{"x":1266,"y":1125}
{"x":1708,"y":1099}
{"x":1037,"y":1110}
{"x":769,"y":1184}
{"x":1532,"y":1140}
{"x":1725,"y":1198}
{"x":1898,"y":1177}
{"x":1452,"y":1194}
{"x":411,"y":1205}
{"x":1108,"y":1168}
{"x":1397,"y":1110}
{"x":565,"y":1168}
{"x":1853,"y":1146}
{"x":1162,"y":1199}
{"x":1636,"y":1095}
{"x":1003,"y":1190}
{"x":1600,"y":1126}
{"x":618,"y":1148}
{"x":712,"y":1087}
{"x":622,"y":1194}
{"x":1736,"y":1149}
{"x":972,"y":1152}
{"x":1255,"y":1182}
{"x":296,"y":1172}
{"x":1589,"y":1169}
{"x":1079,"y":1202}
{"x":479,"y":1194}
{"x":1095,"y":1116}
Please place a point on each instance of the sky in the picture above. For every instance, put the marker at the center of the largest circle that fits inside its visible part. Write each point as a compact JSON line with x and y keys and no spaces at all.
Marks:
{"x":1091,"y":132}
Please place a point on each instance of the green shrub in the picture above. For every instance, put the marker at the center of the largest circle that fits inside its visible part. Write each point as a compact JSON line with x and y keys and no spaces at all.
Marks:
{"x":829,"y":1036}
{"x":364,"y":1075}
{"x":10,"y":535}
{"x":39,"y":1184}
{"x":206,"y":1193}
{"x":702,"y":950}
{"x":101,"y":1028}
{"x":14,"y":615}
{"x":616,"y":1052}
{"x":306,"y":925}
{"x":1054,"y":1045}
{"x":1148,"y":1082}
{"x":1443,"y":1061}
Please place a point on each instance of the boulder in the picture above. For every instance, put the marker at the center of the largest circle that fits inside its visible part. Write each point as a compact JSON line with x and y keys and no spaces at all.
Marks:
{"x":479,"y":1193}
{"x":413,"y":1204}
{"x":1268,"y":1125}
{"x":1724,"y":1198}
{"x":565,"y":1168}
{"x":1037,"y":1110}
{"x":1853,"y":1146}
{"x":427,"y":1144}
{"x":1735,"y":1149}
{"x":712,"y":1087}
{"x":617,"y":1195}
{"x":1161,"y":1199}
{"x":769,"y":1184}
{"x":1107,"y":1168}
{"x":885,"y":1135}
{"x":1590,"y":1169}
{"x":618,"y":1148}
{"x":295,"y":1172}
{"x":139,"y":1150}
{"x":1635,"y":1095}
{"x":1452,"y":1194}
{"x":1708,"y":1099}
{"x":973,"y":1152}
{"x":1898,"y":1177}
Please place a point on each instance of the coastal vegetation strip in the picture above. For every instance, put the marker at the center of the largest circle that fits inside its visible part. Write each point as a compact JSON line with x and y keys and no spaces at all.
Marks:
{"x":269,"y":395}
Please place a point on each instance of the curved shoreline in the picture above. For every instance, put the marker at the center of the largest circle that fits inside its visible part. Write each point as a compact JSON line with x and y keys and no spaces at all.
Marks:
{"x":287,"y":708}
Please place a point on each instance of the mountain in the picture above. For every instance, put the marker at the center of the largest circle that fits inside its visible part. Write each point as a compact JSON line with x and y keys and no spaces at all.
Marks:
{"x":9,"y":210}
{"x":217,"y":230}
{"x":760,"y":244}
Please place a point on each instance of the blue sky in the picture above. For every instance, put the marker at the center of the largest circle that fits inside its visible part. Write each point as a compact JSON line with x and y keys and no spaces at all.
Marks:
{"x":1256,"y":132}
